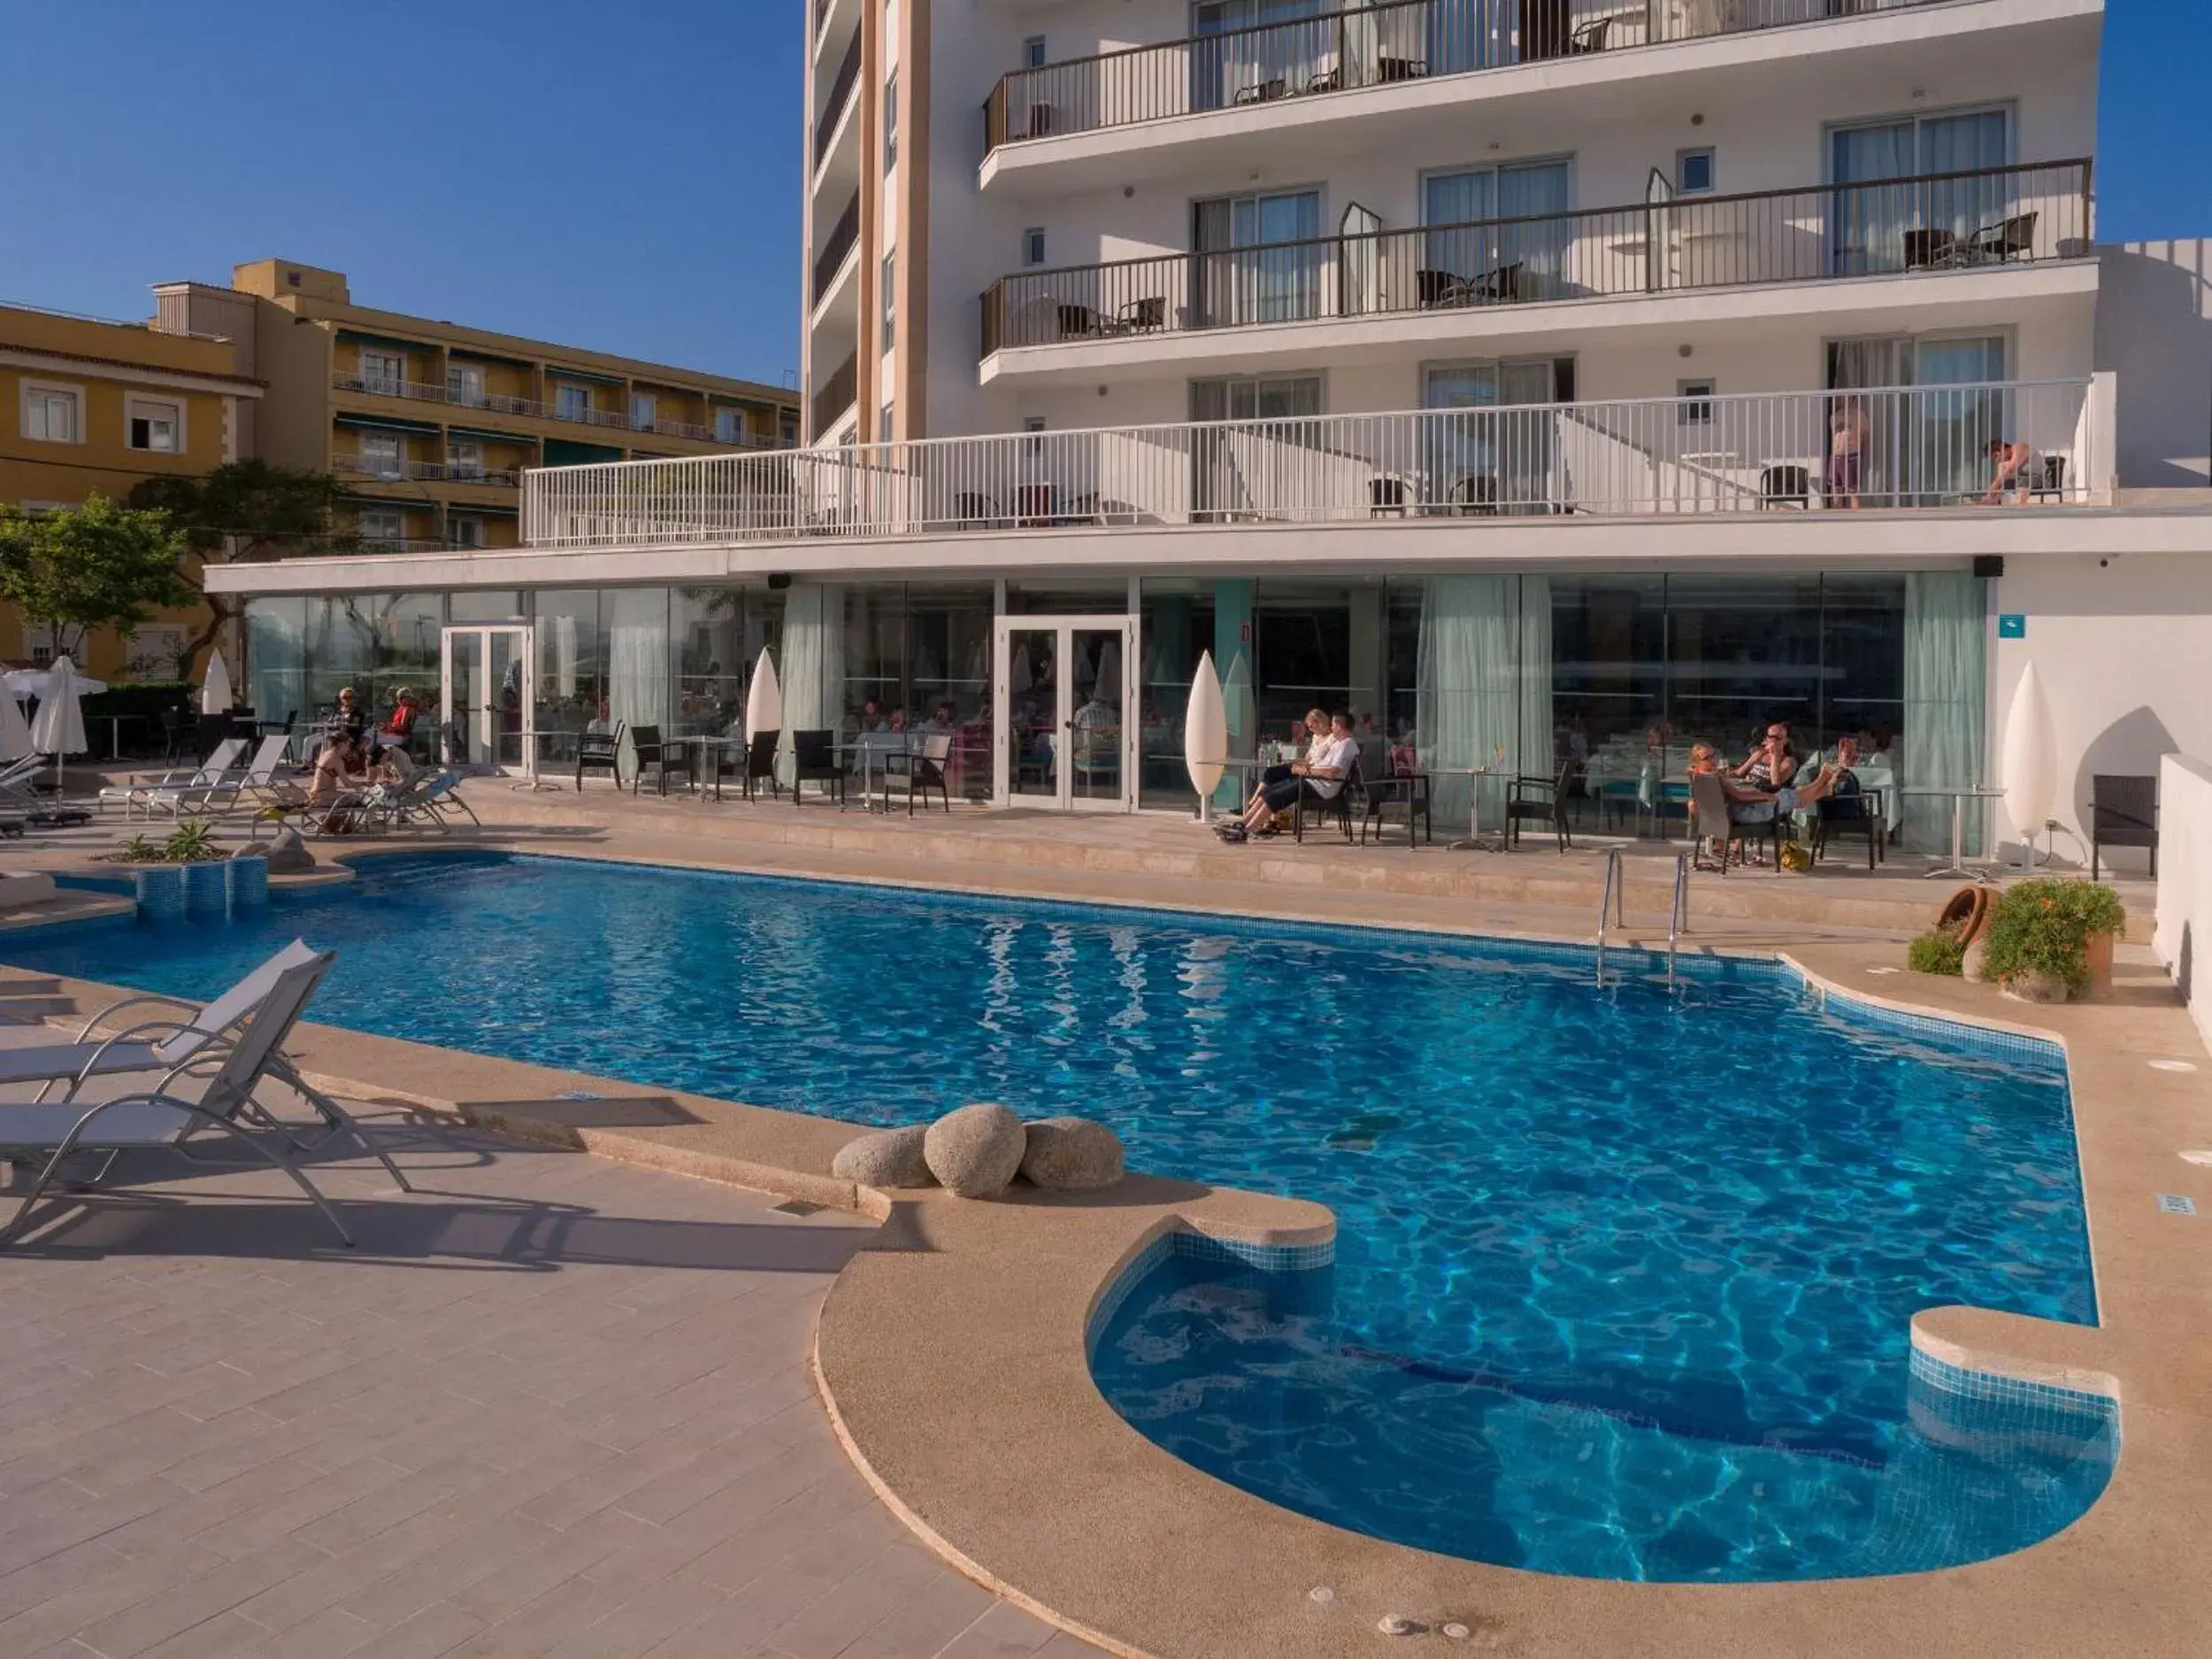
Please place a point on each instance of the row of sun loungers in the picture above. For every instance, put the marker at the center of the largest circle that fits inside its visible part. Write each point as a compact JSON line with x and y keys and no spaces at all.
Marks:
{"x":207,"y":1072}
{"x":266,"y":791}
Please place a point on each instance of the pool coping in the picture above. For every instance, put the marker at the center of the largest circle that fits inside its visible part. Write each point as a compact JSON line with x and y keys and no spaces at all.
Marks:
{"x":950,"y":1356}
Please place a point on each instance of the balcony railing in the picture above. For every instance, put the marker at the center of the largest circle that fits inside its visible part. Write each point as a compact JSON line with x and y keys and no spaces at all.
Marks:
{"x":840,"y":94}
{"x":1920,"y":447}
{"x":842,"y":235}
{"x":500,"y":403}
{"x":1981,"y":219}
{"x":838,"y":395}
{"x":448,"y":472}
{"x":1361,"y":46}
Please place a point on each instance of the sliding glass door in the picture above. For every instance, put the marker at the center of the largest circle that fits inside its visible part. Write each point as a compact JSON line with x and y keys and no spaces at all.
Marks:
{"x":1882,"y":223}
{"x":1493,"y":234}
{"x":1259,"y":258}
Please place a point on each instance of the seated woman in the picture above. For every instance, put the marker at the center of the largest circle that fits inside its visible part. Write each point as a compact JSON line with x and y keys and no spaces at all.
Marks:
{"x":1315,"y":727}
{"x":1772,"y":764}
{"x":1320,"y":777}
{"x":331,"y":799}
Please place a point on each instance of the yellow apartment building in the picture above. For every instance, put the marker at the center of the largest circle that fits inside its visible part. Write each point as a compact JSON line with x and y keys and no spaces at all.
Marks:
{"x":429,"y":424}
{"x":92,"y":406}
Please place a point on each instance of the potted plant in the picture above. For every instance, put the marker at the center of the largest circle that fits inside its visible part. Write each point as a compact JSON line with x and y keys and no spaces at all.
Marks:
{"x":2051,"y":939}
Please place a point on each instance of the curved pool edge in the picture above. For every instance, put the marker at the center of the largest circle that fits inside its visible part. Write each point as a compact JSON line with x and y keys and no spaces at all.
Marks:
{"x":951,"y":1355}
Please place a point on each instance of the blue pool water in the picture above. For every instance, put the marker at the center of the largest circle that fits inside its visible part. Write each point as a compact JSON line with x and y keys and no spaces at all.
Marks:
{"x":1624,"y":1276}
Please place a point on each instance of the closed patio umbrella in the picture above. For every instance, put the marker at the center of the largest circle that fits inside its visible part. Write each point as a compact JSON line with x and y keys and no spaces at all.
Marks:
{"x":59,"y":728}
{"x":763,"y":699}
{"x":215,"y":693}
{"x":2031,"y":760}
{"x":15,"y":731}
{"x":1205,"y":730}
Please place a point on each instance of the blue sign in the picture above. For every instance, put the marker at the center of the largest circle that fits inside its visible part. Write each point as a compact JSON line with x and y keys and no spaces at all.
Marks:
{"x":2012,"y":625}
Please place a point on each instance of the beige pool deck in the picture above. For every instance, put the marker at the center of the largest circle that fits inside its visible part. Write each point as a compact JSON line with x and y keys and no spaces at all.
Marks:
{"x":948,"y":1353}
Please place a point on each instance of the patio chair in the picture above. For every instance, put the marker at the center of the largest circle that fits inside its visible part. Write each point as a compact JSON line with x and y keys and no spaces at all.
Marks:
{"x":1385,"y":495}
{"x":1711,"y":820}
{"x":971,"y":508}
{"x":127,"y":795}
{"x":918,"y":772}
{"x":1385,"y":792}
{"x":1845,"y":815}
{"x":647,"y":748}
{"x":1137,"y":317}
{"x":760,"y":762}
{"x":815,"y":755}
{"x":2003,"y":242}
{"x":600,"y":751}
{"x":20,"y":799}
{"x":1589,"y":38}
{"x":2052,"y":485}
{"x":228,"y":1071}
{"x":1259,"y":91}
{"x":1533,"y":800}
{"x":1931,"y":249}
{"x":2123,"y":812}
{"x":1336,"y":809}
{"x":1786,"y":485}
{"x":1475,"y":493}
{"x":428,"y":798}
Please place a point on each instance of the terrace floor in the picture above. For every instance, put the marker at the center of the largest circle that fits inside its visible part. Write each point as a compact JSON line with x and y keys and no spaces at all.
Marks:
{"x":552,"y":1406}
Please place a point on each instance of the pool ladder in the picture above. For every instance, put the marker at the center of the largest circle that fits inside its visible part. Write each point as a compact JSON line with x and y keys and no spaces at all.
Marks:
{"x":1614,"y":902}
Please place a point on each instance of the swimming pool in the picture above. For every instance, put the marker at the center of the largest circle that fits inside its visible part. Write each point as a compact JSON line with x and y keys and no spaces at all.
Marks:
{"x":1623,"y":1277}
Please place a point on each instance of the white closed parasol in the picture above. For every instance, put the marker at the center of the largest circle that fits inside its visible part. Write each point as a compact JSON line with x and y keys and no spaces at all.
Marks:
{"x":15,"y":731}
{"x":763,"y":699}
{"x":59,"y":729}
{"x":2031,"y":759}
{"x":1205,"y":730}
{"x":215,"y":693}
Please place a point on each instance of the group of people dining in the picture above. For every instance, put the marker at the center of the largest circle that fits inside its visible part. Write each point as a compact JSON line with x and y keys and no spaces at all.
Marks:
{"x":1773,"y":779}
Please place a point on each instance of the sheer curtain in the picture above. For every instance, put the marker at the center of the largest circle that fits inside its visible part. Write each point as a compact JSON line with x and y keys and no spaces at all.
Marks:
{"x":1867,"y":225}
{"x":1467,"y":682}
{"x":813,"y":664}
{"x":1539,"y":246}
{"x":1538,"y":741}
{"x":637,"y":641}
{"x":1946,"y":700}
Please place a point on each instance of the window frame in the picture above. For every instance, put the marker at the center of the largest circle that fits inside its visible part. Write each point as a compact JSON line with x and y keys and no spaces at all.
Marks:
{"x":645,"y":410}
{"x":1682,"y":159}
{"x":1697,"y":394}
{"x":564,"y":391}
{"x":890,"y":121}
{"x":377,"y":383}
{"x":1032,"y":247}
{"x":478,"y":398}
{"x":65,"y":391}
{"x":135,"y":408}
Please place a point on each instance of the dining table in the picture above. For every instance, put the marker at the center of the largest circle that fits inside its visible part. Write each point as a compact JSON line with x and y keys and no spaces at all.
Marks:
{"x":1958,"y":797}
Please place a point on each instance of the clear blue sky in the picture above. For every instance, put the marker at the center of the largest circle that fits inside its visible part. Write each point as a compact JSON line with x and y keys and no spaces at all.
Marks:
{"x":616,"y":173}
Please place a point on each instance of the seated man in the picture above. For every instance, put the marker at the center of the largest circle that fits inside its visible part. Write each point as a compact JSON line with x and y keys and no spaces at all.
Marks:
{"x":1320,"y":777}
{"x":2017,"y":471}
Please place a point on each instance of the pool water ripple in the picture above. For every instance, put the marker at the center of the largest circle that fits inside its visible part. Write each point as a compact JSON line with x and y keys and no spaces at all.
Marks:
{"x":1624,"y":1277}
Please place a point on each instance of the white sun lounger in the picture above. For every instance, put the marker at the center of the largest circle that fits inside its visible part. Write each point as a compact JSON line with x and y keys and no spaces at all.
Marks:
{"x":162,"y":1044}
{"x":163,"y":1117}
{"x":130,"y":795}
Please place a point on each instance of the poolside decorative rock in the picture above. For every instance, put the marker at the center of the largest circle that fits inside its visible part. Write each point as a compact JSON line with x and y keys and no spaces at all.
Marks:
{"x":891,"y":1157}
{"x":1071,"y":1155}
{"x":977,"y":1150}
{"x":288,"y":855}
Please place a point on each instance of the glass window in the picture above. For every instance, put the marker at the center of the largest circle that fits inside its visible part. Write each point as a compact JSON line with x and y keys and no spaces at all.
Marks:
{"x":156,"y":426}
{"x":573,"y":402}
{"x":383,"y":454}
{"x":712,"y":667}
{"x":485,"y":605}
{"x":276,"y":657}
{"x":1742,"y":652}
{"x":1034,"y":245}
{"x":891,"y":121}
{"x":465,"y":458}
{"x":1176,"y":630}
{"x":382,"y":525}
{"x":890,"y":297}
{"x":464,"y":383}
{"x":384,"y":372}
{"x":644,"y":410}
{"x":1696,"y":407}
{"x":1033,"y":52}
{"x":572,"y":677}
{"x":729,"y":426}
{"x":50,"y":415}
{"x":1694,"y":174}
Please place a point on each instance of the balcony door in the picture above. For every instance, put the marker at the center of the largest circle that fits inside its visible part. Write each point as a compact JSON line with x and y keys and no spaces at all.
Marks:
{"x":1931,"y":444}
{"x":1493,"y":451}
{"x":488,"y":697}
{"x":1230,"y":64}
{"x":1259,"y":258}
{"x":1878,"y":225}
{"x":1236,"y":473}
{"x":1494,"y":235}
{"x":1065,"y":690}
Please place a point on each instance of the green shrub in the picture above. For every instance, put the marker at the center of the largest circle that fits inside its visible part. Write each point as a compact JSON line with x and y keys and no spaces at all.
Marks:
{"x":2046,"y":923}
{"x":139,"y":850}
{"x":189,"y":843}
{"x":1936,"y":951}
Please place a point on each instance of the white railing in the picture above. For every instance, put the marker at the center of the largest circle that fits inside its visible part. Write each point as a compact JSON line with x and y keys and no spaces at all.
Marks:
{"x":500,"y":403}
{"x":453,"y":471}
{"x":1920,"y":448}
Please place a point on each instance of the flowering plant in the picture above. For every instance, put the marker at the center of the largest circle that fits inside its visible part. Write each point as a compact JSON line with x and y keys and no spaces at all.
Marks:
{"x":2045,"y":926}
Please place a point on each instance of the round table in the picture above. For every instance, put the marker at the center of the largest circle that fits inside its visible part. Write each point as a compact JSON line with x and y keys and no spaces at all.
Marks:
{"x":1474,"y":775}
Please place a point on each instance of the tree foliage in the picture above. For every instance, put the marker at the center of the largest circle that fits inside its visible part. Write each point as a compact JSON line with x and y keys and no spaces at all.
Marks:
{"x":247,"y":512}
{"x":98,"y":565}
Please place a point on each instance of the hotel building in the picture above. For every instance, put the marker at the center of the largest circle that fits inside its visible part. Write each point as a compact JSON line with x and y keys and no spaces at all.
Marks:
{"x":1544,"y":381}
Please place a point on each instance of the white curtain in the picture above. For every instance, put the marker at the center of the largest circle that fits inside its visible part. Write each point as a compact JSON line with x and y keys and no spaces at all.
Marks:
{"x":813,"y":664}
{"x":1537,"y":742}
{"x":276,"y":659}
{"x":1946,"y":703}
{"x":1468,"y":684}
{"x":637,"y":638}
{"x":565,"y":655}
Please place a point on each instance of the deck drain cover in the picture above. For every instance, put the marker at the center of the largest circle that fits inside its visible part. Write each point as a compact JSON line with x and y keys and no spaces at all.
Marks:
{"x":2198,"y":1155}
{"x":796,"y":1207}
{"x":2173,"y":1065}
{"x":2177,"y":1204}
{"x":577,"y":1094}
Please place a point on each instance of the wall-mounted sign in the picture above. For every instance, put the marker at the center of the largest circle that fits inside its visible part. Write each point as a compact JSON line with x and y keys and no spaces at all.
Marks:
{"x":2012,"y":625}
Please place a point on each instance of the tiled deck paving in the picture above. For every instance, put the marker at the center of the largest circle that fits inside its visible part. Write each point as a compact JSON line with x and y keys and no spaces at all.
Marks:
{"x":552,"y":1405}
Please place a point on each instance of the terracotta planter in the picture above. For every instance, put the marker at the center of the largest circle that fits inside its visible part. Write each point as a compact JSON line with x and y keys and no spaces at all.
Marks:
{"x":2099,"y":955}
{"x":2033,"y":985}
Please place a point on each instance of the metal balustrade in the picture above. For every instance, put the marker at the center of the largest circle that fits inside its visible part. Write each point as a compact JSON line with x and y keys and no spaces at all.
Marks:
{"x":1915,"y":447}
{"x":449,"y":472}
{"x":1358,"y":46}
{"x":842,"y":91}
{"x":500,"y":403}
{"x":1977,"y":219}
{"x":842,"y":235}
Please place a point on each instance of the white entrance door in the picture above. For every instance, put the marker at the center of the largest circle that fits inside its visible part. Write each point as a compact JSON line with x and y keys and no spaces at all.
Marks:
{"x":1066,"y":695}
{"x":489,"y":697}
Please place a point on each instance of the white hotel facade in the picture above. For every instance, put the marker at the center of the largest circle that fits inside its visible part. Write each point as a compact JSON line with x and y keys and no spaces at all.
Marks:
{"x":1478,"y":366}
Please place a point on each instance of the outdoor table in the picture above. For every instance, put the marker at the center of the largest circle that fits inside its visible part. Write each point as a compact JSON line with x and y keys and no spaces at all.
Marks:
{"x":1241,"y":764}
{"x":706,"y":741}
{"x":1474,"y":843}
{"x":875,"y":750}
{"x":1958,"y":799}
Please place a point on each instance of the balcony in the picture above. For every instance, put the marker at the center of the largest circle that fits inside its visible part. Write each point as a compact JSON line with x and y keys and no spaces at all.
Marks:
{"x":1362,"y":46}
{"x":499,"y":403}
{"x":840,"y":94}
{"x":1924,"y":448}
{"x":842,"y":235}
{"x":419,"y":472}
{"x":1981,"y":220}
{"x":838,"y":393}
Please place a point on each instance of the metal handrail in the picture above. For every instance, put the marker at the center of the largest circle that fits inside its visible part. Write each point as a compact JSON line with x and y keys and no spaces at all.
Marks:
{"x":1613,"y":898}
{"x":1351,"y":46}
{"x":1970,"y":219}
{"x":1678,"y":915}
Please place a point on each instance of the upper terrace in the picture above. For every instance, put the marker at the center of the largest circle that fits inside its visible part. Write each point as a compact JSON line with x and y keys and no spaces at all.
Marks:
{"x":1357,"y":76}
{"x":1925,"y":449}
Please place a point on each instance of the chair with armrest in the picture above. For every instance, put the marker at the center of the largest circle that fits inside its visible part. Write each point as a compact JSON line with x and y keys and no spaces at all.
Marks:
{"x":2123,"y":812}
{"x":1541,"y":801}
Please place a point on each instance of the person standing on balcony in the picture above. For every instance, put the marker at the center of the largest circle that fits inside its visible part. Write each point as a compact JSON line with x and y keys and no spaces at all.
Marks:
{"x":1847,"y":434}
